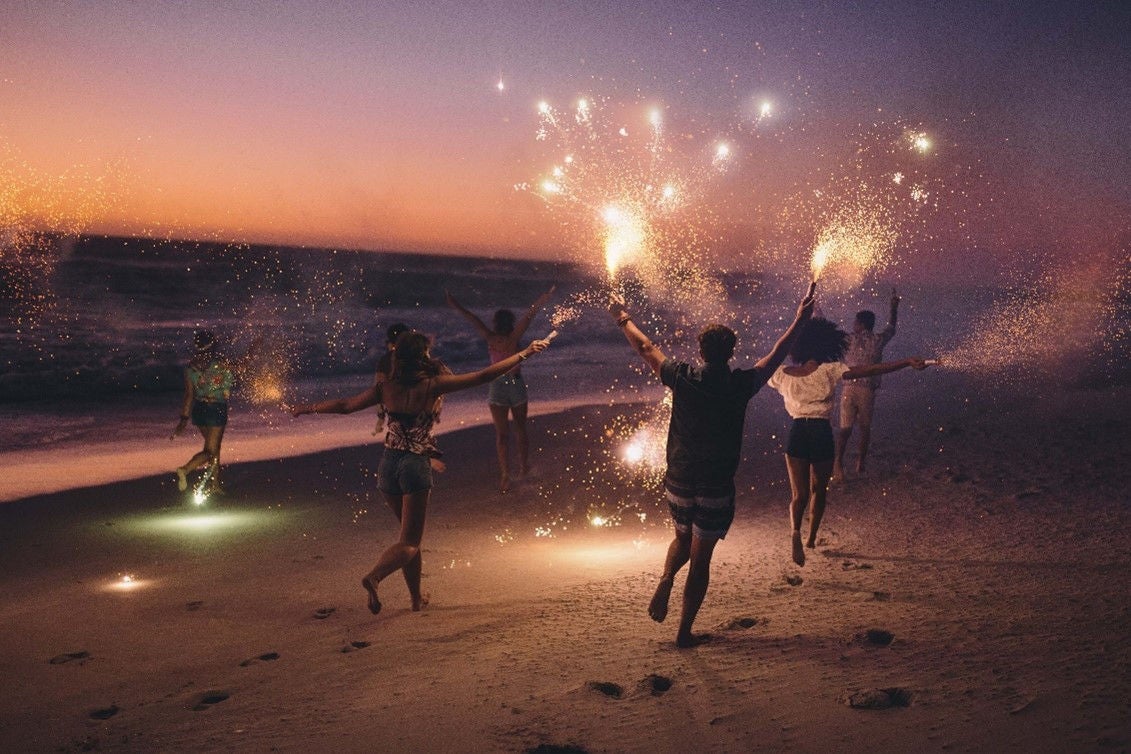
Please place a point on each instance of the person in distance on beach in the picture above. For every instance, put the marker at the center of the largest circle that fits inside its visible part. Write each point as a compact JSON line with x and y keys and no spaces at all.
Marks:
{"x":858,"y":396}
{"x":507,"y":397}
{"x":209,"y":378}
{"x":808,"y":386}
{"x":404,"y":476}
{"x":704,"y":447}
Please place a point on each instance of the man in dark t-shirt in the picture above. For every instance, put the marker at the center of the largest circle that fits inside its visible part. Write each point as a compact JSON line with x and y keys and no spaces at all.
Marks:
{"x":704,"y":447}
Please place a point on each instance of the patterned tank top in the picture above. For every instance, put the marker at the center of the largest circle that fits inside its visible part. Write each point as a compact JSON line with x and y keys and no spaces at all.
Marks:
{"x":211,"y":383}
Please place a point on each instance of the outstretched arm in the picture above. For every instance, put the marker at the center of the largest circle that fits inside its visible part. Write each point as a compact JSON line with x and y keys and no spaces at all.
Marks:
{"x":771,"y":361}
{"x":475,"y":321}
{"x":450,"y":383}
{"x":532,"y":312}
{"x":364,"y":399}
{"x":874,"y":370}
{"x":650,"y":352}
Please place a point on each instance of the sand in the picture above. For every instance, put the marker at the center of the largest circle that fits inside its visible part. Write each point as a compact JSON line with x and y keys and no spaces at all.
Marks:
{"x":973,"y":585}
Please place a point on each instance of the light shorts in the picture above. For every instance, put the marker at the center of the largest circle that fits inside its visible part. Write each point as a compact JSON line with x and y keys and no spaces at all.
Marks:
{"x":209,"y":414}
{"x":811,"y":440}
{"x":706,"y":512}
{"x":403,"y":473}
{"x":856,"y":404}
{"x":508,"y":390}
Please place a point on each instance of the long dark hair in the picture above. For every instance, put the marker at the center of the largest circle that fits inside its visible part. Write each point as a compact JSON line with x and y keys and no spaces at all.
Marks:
{"x":411,"y":361}
{"x":504,"y":322}
{"x":819,"y":340}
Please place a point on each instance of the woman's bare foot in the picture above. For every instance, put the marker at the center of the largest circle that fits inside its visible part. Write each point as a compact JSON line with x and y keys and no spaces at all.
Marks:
{"x":798,"y":551}
{"x":658,"y":608}
{"x":689,"y":640}
{"x":420,"y":602}
{"x":371,"y":590}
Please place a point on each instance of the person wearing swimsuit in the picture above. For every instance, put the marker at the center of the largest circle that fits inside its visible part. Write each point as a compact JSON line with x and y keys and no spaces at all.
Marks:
{"x":507,"y":397}
{"x":411,"y":397}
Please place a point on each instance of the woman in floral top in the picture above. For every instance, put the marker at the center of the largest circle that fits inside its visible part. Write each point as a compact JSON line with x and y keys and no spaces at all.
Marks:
{"x":411,"y":396}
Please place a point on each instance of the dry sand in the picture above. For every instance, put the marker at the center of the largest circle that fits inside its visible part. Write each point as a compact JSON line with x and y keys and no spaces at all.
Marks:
{"x":978,"y":574}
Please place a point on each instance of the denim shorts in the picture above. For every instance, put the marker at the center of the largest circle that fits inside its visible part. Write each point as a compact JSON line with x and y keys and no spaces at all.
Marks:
{"x":209,"y":414}
{"x":811,"y":440}
{"x":508,"y":390}
{"x":707,"y":512}
{"x":403,"y":473}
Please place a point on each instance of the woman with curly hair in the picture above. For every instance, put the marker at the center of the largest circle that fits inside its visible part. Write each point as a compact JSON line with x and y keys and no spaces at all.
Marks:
{"x":808,"y":386}
{"x":411,"y":396}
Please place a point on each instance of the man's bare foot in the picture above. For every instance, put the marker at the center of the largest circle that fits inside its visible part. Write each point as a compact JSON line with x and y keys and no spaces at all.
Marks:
{"x":658,"y":607}
{"x":420,"y":602}
{"x":798,"y":551}
{"x":371,"y":590}
{"x":689,"y":640}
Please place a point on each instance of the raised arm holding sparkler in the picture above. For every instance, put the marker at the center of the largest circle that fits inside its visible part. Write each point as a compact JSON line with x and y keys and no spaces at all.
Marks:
{"x":507,"y":397}
{"x":703,"y":448}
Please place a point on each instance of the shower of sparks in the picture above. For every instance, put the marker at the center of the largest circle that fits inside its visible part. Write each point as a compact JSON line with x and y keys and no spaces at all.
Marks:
{"x":920,"y":143}
{"x":765,"y":110}
{"x":635,"y":194}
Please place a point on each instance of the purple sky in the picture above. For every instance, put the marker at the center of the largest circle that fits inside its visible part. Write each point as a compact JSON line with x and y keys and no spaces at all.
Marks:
{"x":378,"y":125}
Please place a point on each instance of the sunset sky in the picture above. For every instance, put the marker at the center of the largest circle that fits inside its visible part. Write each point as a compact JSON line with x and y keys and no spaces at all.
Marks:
{"x":380,"y":125}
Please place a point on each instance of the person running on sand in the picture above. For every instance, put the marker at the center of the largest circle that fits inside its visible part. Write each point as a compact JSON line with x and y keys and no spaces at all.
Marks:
{"x":208,"y":386}
{"x":507,"y":396}
{"x":385,"y":371}
{"x":704,"y":447}
{"x":404,"y":476}
{"x":858,"y":396}
{"x":808,"y":387}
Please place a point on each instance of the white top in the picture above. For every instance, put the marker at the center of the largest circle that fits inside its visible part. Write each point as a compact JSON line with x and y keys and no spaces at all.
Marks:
{"x":811,"y":396}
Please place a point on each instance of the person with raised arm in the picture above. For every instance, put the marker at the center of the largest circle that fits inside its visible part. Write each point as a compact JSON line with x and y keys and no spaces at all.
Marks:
{"x":858,"y":396}
{"x":704,"y":448}
{"x":410,"y":396}
{"x":808,"y":386}
{"x":507,"y":397}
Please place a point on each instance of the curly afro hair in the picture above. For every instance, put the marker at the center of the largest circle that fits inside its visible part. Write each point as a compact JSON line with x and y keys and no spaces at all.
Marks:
{"x":819,"y":340}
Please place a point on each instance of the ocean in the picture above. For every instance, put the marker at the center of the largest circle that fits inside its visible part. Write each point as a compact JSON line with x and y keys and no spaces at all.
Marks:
{"x":95,"y":331}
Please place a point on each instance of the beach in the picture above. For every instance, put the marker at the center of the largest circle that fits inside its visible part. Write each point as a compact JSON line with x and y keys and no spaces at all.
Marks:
{"x":968,"y":594}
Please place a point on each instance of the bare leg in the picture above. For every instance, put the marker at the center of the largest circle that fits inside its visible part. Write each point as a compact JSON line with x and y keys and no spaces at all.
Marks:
{"x":414,"y":568}
{"x":213,"y":437}
{"x":819,"y":481}
{"x":395,"y":557}
{"x":521,"y":441}
{"x":698,"y":578}
{"x":842,"y":436}
{"x":679,"y":551}
{"x":502,"y":440}
{"x":798,"y":469}
{"x":865,"y":439}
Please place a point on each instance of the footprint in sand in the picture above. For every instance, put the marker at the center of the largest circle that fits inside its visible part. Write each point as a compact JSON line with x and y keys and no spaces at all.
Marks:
{"x":848,"y":565}
{"x":794,"y":580}
{"x":210,"y":698}
{"x":105,"y":713}
{"x":324,"y":612}
{"x":266,"y":657}
{"x":656,"y":685}
{"x":556,"y":749}
{"x":70,"y":657}
{"x":876,"y":637}
{"x":877,"y":698}
{"x":354,"y":645}
{"x":743,"y":623}
{"x":881,"y":596}
{"x":605,"y":687}
{"x":194,"y":605}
